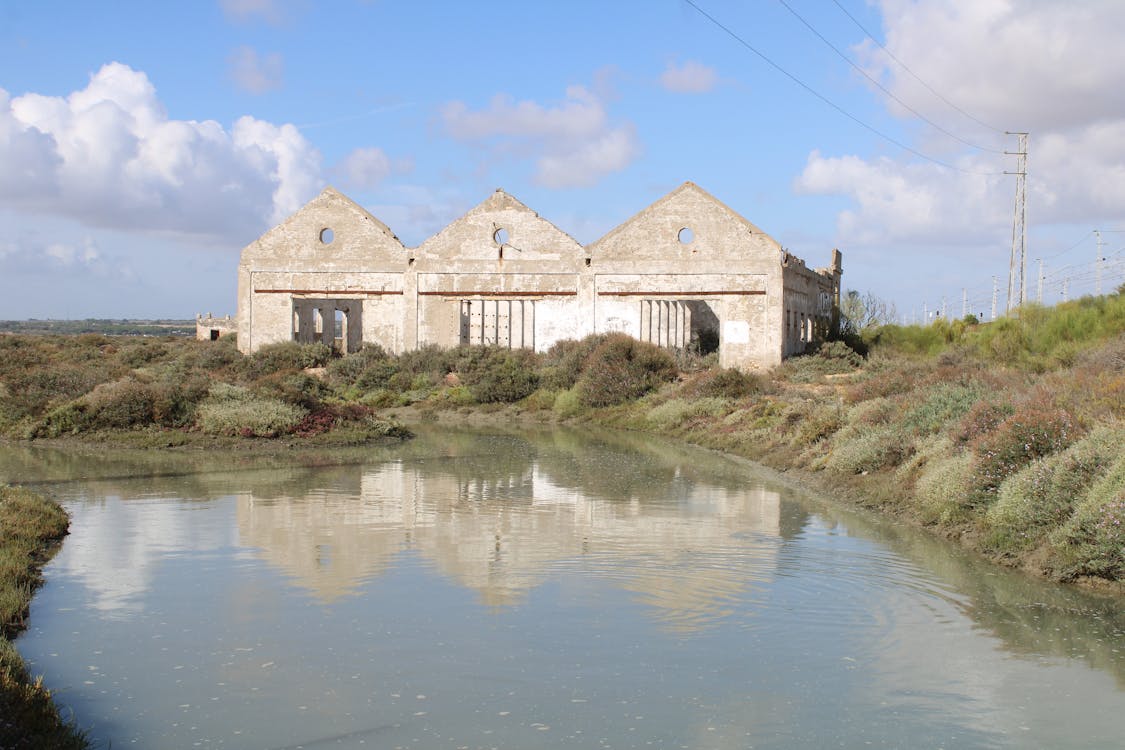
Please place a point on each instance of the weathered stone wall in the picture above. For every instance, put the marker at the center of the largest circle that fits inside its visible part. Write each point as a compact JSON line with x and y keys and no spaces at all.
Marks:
{"x":684,"y":271}
{"x":209,"y":328}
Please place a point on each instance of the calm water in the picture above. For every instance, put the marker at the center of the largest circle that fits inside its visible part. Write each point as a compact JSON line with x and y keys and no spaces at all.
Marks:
{"x":540,"y":590}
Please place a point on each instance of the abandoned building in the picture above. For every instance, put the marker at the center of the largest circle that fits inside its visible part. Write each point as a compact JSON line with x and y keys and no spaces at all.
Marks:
{"x":685,"y":272}
{"x":211,"y":328}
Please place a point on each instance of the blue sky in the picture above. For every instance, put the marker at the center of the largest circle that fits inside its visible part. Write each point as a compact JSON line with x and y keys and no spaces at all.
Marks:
{"x":142,"y":145}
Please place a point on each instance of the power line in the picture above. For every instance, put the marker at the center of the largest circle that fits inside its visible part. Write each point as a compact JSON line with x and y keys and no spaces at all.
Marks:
{"x":826,"y":100}
{"x":881,"y":87}
{"x":929,"y":88}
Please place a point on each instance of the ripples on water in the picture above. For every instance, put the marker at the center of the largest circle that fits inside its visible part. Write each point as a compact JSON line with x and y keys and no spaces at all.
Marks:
{"x":547,"y":590}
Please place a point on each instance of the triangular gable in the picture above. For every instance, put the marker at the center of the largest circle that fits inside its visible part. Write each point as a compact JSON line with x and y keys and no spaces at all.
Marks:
{"x":331,"y":228}
{"x":480,"y":233}
{"x":714,"y":230}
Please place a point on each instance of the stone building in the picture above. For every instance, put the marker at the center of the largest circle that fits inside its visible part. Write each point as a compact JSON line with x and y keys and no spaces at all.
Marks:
{"x":211,"y":328}
{"x":685,"y":272}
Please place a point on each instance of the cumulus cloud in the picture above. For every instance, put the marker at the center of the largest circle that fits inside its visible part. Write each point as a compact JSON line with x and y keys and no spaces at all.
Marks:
{"x":109,"y":156}
{"x":690,"y":78}
{"x":1015,"y":64}
{"x":897,"y":202}
{"x":253,"y":73}
{"x":573,"y":141}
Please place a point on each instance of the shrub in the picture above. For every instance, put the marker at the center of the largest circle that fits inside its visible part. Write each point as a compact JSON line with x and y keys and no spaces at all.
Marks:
{"x":1092,"y":543}
{"x":860,"y":449}
{"x":568,"y":404}
{"x":622,"y":368}
{"x":1042,"y":495}
{"x":944,"y":403}
{"x":502,"y":376}
{"x":982,"y":418}
{"x":681,"y":412}
{"x":1037,"y":429}
{"x":809,"y":424}
{"x":1004,"y":340}
{"x":288,"y":355}
{"x":348,"y":370}
{"x":727,"y":383}
{"x":234,"y":410}
{"x":293,"y":387}
{"x":564,"y":361}
{"x":943,"y":489}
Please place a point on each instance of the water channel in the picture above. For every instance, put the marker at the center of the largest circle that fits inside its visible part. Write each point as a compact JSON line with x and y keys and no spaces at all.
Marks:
{"x":539,"y":589}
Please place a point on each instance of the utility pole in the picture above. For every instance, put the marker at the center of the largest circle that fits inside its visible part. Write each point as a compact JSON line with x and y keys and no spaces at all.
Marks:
{"x":1017,"y":291}
{"x":1039,"y":293}
{"x":1066,"y":288}
{"x":964,"y":302}
{"x":1098,"y":264}
{"x":995,"y":288}
{"x":943,"y":313}
{"x":925,"y":315}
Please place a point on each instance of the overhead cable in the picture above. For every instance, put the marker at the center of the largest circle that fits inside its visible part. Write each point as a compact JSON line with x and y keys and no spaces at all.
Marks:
{"x":828,"y":101}
{"x":883,"y":88}
{"x":928,"y":87}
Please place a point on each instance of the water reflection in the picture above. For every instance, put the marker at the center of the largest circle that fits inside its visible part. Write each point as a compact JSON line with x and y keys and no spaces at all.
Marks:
{"x":542,"y":590}
{"x":502,"y":535}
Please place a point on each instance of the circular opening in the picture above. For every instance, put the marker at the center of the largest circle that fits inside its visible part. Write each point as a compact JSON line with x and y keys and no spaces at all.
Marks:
{"x":326,"y":236}
{"x":500,"y":236}
{"x":685,"y":236}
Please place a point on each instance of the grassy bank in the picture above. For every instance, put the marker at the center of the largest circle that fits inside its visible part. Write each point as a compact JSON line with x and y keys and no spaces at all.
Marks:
{"x":31,"y":527}
{"x":1006,"y":437}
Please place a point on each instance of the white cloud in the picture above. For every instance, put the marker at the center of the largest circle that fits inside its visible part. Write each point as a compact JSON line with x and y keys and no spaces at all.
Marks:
{"x":574,"y":142}
{"x":690,"y":78}
{"x":109,"y":156}
{"x":255,"y":74}
{"x":1016,"y":64}
{"x":366,"y":168}
{"x":270,"y":11}
{"x":898,"y":202}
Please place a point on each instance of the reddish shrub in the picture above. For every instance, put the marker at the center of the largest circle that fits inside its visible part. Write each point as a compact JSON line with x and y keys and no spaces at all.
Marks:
{"x":1037,"y":429}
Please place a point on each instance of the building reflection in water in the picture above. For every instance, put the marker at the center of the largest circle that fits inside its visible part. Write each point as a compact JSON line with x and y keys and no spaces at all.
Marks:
{"x":685,"y":554}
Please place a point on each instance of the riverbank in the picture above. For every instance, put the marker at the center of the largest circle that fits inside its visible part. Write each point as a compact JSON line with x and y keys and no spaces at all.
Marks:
{"x":31,"y":530}
{"x":1006,"y":437}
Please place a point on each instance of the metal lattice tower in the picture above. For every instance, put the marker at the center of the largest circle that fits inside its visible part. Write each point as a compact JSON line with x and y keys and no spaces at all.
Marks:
{"x":1017,"y":263}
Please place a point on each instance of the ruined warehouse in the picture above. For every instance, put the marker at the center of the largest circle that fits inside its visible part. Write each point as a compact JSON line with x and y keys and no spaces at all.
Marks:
{"x":685,"y":272}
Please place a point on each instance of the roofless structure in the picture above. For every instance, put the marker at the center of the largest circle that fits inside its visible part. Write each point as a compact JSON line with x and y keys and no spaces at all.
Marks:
{"x":685,"y":272}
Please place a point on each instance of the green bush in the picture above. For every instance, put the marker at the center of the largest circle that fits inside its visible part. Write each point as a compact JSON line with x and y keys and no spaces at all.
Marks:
{"x":678,"y":413}
{"x":565,"y":360}
{"x":1092,"y":543}
{"x":858,"y":449}
{"x":943,"y":489}
{"x":568,"y":404}
{"x":235,"y":410}
{"x":502,"y":375}
{"x":1042,"y":495}
{"x":944,"y":403}
{"x":622,"y":368}
{"x":293,"y":387}
{"x":288,"y":355}
{"x":728,"y":383}
{"x":347,"y":371}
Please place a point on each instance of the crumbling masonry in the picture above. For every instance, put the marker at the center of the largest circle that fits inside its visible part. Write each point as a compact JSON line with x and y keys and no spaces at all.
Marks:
{"x":685,"y":272}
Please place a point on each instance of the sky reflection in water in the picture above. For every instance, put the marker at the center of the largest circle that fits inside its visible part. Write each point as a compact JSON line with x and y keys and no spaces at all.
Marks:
{"x":546,"y":590}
